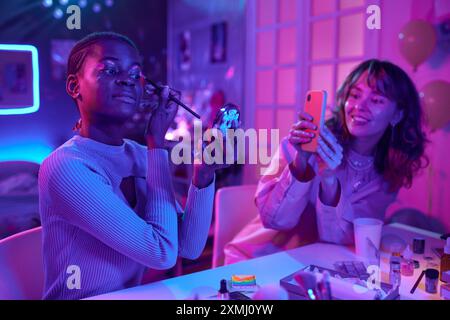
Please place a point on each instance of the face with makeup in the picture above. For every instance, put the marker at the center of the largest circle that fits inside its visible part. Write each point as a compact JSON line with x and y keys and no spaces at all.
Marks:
{"x":368,"y":112}
{"x":109,"y":81}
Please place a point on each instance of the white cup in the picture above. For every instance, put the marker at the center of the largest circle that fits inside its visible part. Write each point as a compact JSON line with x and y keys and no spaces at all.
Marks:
{"x":367,"y":237}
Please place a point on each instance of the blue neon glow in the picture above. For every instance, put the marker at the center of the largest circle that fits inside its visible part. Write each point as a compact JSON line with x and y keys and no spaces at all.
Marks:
{"x":34,"y":151}
{"x":35,"y":66}
{"x":47,"y":3}
{"x":82,"y":3}
{"x":311,"y":294}
{"x":58,"y":13}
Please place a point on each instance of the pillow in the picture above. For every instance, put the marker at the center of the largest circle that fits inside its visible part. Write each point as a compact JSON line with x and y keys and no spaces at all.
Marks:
{"x":19,"y":184}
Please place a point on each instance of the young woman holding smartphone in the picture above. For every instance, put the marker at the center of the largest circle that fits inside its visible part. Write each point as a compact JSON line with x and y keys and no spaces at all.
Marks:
{"x":372,"y":146}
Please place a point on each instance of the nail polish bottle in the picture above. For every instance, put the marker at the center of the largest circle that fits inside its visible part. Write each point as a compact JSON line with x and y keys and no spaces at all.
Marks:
{"x":223,"y":293}
{"x":407,"y":263}
{"x":445,"y":261}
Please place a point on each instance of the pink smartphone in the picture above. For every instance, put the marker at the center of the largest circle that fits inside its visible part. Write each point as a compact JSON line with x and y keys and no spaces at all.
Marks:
{"x":315,"y":105}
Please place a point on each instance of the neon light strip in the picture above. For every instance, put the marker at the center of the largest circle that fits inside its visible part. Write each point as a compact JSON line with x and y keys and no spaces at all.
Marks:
{"x":35,"y":66}
{"x":34,"y":151}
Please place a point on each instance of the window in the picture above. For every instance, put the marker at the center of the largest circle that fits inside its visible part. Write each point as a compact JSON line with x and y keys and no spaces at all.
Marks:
{"x":297,"y":45}
{"x":276,"y":34}
{"x":337,"y":38}
{"x":301,"y":45}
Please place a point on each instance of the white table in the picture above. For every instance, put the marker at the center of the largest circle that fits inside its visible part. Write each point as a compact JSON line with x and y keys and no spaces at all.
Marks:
{"x":270,"y":269}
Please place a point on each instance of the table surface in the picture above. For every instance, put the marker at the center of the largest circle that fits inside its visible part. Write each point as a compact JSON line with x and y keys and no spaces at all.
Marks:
{"x":270,"y":269}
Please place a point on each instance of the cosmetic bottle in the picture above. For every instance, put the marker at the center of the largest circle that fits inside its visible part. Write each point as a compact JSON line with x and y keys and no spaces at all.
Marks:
{"x":395,"y":276}
{"x":223,"y":293}
{"x":407,"y":263}
{"x":431,"y":280}
{"x":396,"y":256}
{"x":445,"y":261}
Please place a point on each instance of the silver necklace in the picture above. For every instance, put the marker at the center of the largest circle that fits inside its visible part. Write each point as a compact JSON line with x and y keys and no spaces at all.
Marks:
{"x":360,"y":165}
{"x":359,"y":162}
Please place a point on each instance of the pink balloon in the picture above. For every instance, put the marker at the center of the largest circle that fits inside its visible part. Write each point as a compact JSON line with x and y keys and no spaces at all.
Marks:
{"x":417,"y":40}
{"x":435,"y":97}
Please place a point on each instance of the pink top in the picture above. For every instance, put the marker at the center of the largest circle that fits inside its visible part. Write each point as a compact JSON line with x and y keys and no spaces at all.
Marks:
{"x":293,"y":207}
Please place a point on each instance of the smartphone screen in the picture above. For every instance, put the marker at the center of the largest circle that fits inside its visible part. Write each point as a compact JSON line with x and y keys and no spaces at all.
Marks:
{"x":315,"y":105}
{"x":228,"y":117}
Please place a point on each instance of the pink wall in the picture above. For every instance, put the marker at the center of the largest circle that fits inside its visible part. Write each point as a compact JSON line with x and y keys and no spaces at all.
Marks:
{"x":430,"y":191}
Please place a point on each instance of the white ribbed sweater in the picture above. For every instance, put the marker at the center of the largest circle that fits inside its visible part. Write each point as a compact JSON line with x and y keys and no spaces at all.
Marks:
{"x":88,"y":223}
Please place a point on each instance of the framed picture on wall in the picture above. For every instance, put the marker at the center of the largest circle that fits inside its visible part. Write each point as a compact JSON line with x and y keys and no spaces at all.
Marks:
{"x":184,"y":53}
{"x":218,"y":42}
{"x":19,"y":79}
{"x":60,"y":52}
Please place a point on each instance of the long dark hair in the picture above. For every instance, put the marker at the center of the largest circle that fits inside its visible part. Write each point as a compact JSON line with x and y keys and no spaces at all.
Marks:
{"x":399,"y":154}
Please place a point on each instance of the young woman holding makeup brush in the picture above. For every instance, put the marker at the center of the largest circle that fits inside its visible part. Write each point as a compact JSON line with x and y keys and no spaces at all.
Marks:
{"x":372,"y":146}
{"x":107,"y":204}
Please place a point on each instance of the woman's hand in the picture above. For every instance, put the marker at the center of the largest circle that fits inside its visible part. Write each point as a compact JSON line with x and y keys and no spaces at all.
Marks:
{"x":330,"y":153}
{"x":161,"y":119}
{"x":204,"y":172}
{"x":298,"y":136}
{"x":330,"y":157}
{"x":203,"y":175}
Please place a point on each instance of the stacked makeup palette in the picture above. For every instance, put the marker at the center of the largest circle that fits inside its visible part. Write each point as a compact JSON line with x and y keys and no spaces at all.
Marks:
{"x":243,"y":282}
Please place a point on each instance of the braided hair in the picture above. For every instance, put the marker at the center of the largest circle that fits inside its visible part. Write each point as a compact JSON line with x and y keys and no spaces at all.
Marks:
{"x":82,"y":49}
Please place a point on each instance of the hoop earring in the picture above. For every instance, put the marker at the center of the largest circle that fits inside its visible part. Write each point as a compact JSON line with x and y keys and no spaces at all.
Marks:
{"x":77,"y":125}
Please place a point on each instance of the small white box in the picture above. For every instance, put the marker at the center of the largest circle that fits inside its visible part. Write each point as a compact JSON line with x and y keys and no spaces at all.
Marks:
{"x":446,"y":276}
{"x":445,"y":291}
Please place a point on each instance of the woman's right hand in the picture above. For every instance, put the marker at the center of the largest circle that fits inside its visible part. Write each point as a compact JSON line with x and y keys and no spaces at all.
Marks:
{"x":298,"y":136}
{"x":160,"y":120}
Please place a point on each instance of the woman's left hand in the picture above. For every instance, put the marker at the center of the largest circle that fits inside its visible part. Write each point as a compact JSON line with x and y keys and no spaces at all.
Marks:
{"x":330,"y":157}
{"x":203,"y":175}
{"x":161,"y":118}
{"x":330,"y":153}
{"x":204,"y":171}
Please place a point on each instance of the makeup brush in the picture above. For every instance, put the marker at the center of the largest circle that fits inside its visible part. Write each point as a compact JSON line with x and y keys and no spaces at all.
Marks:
{"x":417,"y":282}
{"x":326,"y":286}
{"x":172,"y":97}
{"x":307,"y":281}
